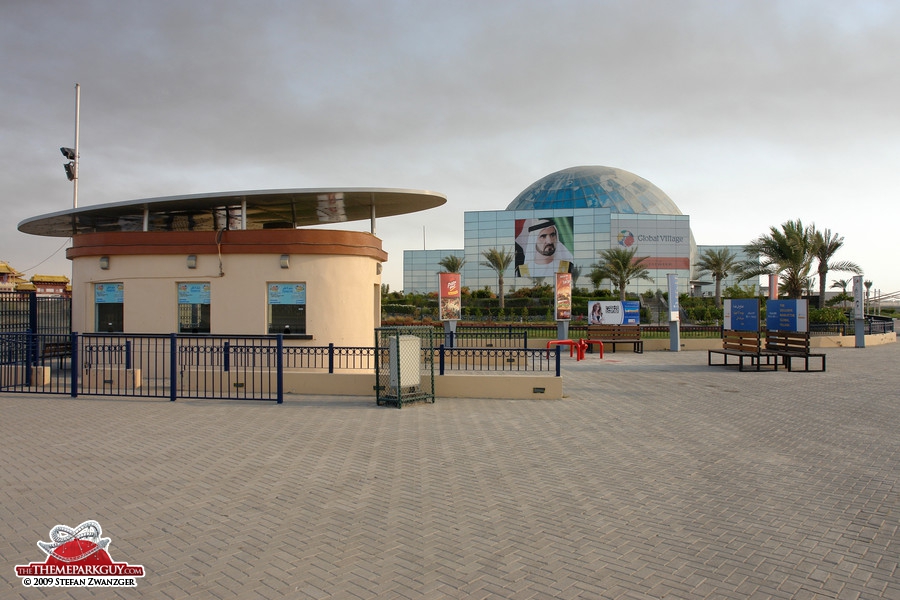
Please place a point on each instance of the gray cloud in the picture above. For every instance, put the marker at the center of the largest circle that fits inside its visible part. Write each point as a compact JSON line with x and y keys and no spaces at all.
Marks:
{"x":763,"y":103}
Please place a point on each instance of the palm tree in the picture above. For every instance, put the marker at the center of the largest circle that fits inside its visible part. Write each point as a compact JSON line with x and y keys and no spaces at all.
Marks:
{"x":788,"y":251}
{"x":452,"y":263}
{"x":620,"y":266}
{"x":597,"y":276}
{"x":718,"y":263}
{"x":499,"y":261}
{"x":576,"y":273}
{"x":827,"y":246}
{"x":842,"y":284}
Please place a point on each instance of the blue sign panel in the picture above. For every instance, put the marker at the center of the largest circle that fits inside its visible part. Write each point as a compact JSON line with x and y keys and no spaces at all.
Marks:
{"x":193,"y":293}
{"x":632,"y":310}
{"x":287,"y":293}
{"x":786,"y":315}
{"x":742,"y":314}
{"x":109,"y":293}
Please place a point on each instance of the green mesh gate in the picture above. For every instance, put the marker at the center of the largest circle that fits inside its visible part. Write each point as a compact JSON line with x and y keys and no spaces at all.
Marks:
{"x":404,"y":369}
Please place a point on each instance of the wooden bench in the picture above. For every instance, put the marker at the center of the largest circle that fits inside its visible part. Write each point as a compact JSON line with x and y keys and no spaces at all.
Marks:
{"x":616,"y":334}
{"x":56,"y":350}
{"x":743,"y":345}
{"x":790,"y":345}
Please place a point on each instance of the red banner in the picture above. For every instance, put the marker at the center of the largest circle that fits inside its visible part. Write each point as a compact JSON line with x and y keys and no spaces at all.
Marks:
{"x":450,"y":293}
{"x":563,"y":296}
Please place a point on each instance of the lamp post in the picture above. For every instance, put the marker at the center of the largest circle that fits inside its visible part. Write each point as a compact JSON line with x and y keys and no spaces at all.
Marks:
{"x":71,"y":154}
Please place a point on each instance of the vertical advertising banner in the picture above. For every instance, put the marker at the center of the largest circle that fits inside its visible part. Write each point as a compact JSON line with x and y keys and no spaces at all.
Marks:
{"x":544,"y":246}
{"x":674,"y":309}
{"x":859,"y":305}
{"x":450,"y":296}
{"x":563,"y":296}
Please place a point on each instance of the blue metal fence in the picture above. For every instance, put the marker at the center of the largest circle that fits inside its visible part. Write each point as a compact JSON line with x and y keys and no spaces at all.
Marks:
{"x":200,"y":366}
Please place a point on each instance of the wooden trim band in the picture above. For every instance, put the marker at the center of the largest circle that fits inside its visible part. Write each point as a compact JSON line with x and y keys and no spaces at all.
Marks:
{"x":255,"y":241}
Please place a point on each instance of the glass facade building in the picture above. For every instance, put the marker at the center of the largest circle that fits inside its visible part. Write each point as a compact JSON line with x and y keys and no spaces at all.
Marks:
{"x":421,"y":268}
{"x":581,"y":211}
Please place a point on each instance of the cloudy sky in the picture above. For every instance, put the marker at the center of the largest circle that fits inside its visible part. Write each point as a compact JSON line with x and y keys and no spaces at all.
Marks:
{"x":747,"y":113}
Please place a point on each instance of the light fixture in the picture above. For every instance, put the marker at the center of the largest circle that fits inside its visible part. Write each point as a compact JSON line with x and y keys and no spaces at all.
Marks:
{"x":285,"y":261}
{"x":104,"y":262}
{"x":192,"y":261}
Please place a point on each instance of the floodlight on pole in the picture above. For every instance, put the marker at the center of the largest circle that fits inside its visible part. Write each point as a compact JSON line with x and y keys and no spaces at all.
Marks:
{"x":71,"y":154}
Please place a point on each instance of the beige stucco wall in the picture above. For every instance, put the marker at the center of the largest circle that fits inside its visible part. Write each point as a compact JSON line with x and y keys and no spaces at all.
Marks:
{"x":342,"y":291}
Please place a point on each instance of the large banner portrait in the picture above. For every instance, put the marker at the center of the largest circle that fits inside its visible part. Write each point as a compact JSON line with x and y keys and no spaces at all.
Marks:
{"x":450,"y":296}
{"x":544,"y":246}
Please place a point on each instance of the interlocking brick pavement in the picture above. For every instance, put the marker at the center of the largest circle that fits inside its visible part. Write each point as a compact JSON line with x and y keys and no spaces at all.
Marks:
{"x":656,"y":477}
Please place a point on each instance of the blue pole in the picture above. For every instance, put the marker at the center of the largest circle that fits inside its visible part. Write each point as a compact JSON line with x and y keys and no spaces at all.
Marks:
{"x":558,"y":362}
{"x":173,"y":367}
{"x":279,"y":365}
{"x":76,"y":369}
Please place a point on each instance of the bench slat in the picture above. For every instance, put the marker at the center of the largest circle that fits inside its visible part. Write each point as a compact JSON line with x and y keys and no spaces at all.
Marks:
{"x":793,"y":344}
{"x":618,"y":334}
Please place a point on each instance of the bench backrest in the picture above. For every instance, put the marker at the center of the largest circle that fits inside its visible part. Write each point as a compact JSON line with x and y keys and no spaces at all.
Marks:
{"x":741,"y":341}
{"x":614,"y":332}
{"x":787,"y":341}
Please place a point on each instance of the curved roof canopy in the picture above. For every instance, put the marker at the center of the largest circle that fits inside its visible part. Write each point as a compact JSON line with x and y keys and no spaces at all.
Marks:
{"x":256,"y":209}
{"x":595,"y":187}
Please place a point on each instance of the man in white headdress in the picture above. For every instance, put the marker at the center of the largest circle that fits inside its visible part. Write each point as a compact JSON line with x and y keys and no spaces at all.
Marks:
{"x":544,"y":255}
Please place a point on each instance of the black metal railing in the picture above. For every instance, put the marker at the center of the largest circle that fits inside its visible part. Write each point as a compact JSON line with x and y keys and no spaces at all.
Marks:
{"x":498,"y":359}
{"x":26,"y":311}
{"x":486,"y":339}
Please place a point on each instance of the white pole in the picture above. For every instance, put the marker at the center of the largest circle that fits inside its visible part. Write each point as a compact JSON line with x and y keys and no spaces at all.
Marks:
{"x":75,"y":168}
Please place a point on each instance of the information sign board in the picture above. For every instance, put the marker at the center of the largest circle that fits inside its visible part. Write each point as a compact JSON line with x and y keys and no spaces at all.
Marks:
{"x":787,"y":315}
{"x":742,"y":314}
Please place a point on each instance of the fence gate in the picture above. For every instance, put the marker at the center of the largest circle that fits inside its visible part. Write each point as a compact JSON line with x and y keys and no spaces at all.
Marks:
{"x":404,"y":369}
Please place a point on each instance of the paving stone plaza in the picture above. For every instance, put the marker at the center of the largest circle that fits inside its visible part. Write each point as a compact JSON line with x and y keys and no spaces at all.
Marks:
{"x":657,"y":476}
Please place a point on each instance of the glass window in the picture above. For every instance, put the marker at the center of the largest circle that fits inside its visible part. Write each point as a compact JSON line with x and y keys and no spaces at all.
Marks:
{"x":193,"y":307}
{"x":287,"y":307}
{"x":109,"y":303}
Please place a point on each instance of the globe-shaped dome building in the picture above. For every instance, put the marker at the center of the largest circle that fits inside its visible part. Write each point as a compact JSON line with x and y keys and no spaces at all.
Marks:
{"x":564,"y":222}
{"x":595,"y":187}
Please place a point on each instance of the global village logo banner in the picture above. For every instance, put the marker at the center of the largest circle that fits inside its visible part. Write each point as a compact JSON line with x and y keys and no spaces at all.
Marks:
{"x":78,"y":557}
